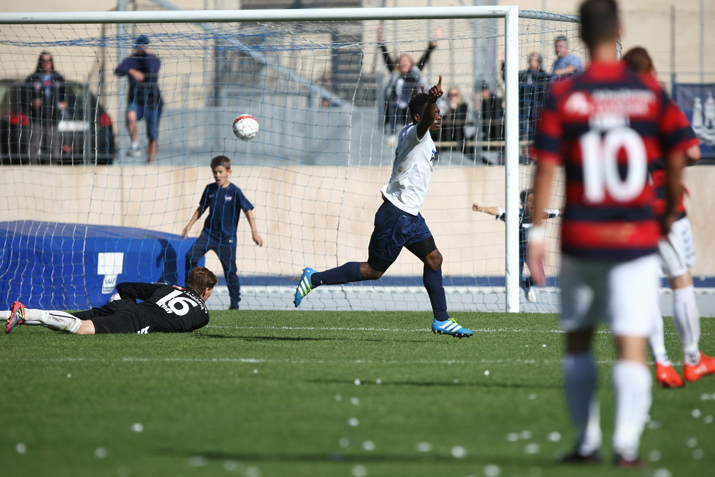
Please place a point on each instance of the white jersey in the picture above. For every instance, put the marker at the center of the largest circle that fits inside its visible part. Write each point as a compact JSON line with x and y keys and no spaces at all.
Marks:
{"x":411,"y":172}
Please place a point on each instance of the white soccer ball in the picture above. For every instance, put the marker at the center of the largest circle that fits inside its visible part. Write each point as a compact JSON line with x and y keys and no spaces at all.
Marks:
{"x":245,"y":127}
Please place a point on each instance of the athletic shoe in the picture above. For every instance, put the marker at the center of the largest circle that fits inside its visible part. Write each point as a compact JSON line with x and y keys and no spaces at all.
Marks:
{"x":623,"y":463}
{"x":531,"y":295}
{"x":577,"y":458}
{"x":304,"y":286}
{"x":705,"y":366}
{"x":134,"y":153}
{"x":17,"y":316}
{"x":667,"y":376}
{"x":450,"y":327}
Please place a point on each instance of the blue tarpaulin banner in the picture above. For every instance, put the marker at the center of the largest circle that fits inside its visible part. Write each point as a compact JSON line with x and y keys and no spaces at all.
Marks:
{"x":57,"y":266}
{"x":698,"y":103}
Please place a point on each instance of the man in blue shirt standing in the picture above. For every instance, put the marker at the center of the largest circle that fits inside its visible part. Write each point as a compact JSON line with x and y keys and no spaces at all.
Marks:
{"x":566,"y":63}
{"x":144,"y":96}
{"x":225,"y":202}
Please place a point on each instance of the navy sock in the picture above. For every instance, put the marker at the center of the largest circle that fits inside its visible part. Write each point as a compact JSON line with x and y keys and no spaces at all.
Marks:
{"x":350,"y":272}
{"x":433,"y":283}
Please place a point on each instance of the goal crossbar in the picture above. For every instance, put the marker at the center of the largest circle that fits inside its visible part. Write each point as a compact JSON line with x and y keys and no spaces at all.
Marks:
{"x":510,"y":14}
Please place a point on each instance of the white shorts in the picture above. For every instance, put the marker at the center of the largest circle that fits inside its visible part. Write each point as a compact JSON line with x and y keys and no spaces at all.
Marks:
{"x":624,"y":294}
{"x":677,"y":253}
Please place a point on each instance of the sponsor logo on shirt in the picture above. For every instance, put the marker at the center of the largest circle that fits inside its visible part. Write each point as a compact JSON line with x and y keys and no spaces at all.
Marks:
{"x":211,"y":196}
{"x":431,"y":159}
{"x":229,"y":198}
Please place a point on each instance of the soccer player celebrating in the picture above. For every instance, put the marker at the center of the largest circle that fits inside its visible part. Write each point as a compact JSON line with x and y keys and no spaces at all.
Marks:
{"x":606,"y":127}
{"x":677,"y":254}
{"x":164,"y":308}
{"x":398,"y":222}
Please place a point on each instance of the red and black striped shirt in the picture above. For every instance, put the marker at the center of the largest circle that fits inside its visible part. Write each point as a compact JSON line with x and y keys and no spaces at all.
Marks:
{"x":608,"y":127}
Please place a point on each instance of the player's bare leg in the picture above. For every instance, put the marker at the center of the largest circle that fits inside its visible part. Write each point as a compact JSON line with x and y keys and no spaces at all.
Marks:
{"x":687,"y":321}
{"x":580,"y":379}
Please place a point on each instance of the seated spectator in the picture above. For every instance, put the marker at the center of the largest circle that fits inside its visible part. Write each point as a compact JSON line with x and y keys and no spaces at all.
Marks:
{"x":454,"y":120}
{"x":405,"y":81}
{"x":533,"y":84}
{"x":47,"y":103}
{"x":566,"y":63}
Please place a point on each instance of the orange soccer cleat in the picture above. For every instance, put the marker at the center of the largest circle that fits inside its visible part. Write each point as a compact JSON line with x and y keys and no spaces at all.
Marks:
{"x":667,"y":376}
{"x":705,"y":366}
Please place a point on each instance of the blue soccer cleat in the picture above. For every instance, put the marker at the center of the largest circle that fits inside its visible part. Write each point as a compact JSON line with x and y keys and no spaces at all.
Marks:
{"x":450,"y":327}
{"x":304,"y":286}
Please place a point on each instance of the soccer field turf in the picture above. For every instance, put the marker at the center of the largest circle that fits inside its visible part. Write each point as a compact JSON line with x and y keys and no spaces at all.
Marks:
{"x":276,"y":393}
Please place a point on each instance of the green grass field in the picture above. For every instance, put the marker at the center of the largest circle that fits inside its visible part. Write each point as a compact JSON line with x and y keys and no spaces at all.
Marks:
{"x":274,"y":394}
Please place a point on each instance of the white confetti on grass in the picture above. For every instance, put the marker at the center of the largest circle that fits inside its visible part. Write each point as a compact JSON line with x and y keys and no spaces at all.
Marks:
{"x":554,"y":436}
{"x":253,"y":472}
{"x":532,"y":396}
{"x":486,"y":372}
{"x":368,"y":446}
{"x":532,"y":448}
{"x":357,"y":382}
{"x":654,"y":456}
{"x":354,"y":421}
{"x":695,"y":413}
{"x":198,"y":461}
{"x":344,"y":442}
{"x":338,"y":397}
{"x":526,"y":435}
{"x":359,"y":471}
{"x":424,"y":447}
{"x":100,"y":452}
{"x":378,"y":381}
{"x":355,"y":401}
{"x":69,"y":375}
{"x":20,"y":448}
{"x":662,"y":473}
{"x":705,"y":397}
{"x":708,"y":419}
{"x":233,"y":466}
{"x":492,"y":470}
{"x":698,"y":454}
{"x":137,"y":427}
{"x":692,"y":442}
{"x":255,"y":371}
{"x":458,"y":452}
{"x":512,"y":437}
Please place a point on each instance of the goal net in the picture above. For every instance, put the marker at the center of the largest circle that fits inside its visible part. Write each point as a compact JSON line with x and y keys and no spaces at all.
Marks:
{"x":84,"y":209}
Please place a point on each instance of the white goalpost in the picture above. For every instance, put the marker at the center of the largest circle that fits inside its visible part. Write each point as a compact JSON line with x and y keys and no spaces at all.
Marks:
{"x":85,"y":215}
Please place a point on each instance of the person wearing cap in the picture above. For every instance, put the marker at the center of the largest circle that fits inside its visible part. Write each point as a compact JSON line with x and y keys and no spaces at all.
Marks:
{"x":144,"y":96}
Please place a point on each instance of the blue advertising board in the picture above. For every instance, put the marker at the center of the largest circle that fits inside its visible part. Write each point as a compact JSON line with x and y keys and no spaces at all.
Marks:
{"x":698,"y":103}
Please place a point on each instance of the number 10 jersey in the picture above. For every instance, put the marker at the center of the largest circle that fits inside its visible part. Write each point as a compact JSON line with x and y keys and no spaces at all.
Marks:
{"x":606,"y":127}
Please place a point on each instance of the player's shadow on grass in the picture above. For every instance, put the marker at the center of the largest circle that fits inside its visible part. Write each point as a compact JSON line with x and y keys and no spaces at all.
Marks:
{"x":447,"y":384}
{"x":289,"y":338}
{"x":364,"y":458}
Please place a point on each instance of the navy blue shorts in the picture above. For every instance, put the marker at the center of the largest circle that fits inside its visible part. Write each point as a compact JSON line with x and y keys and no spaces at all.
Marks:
{"x":151,"y":115}
{"x":395,"y":229}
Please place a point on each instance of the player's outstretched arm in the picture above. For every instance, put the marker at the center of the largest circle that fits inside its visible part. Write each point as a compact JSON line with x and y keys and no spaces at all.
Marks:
{"x":427,"y":118}
{"x":192,"y":221}
{"x":537,"y":249}
{"x":487,"y":210}
{"x":254,"y":233}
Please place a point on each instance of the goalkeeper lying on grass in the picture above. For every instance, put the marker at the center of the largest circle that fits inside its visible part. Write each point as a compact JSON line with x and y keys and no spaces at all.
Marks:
{"x":164,"y":308}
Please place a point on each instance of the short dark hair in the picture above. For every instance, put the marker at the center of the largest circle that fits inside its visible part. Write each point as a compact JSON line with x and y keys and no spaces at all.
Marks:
{"x":221,"y":161}
{"x":639,"y":59}
{"x":142,"y":40}
{"x":418,"y":103}
{"x":200,"y":279}
{"x":561,"y":38}
{"x":599,"y":21}
{"x":39,"y":61}
{"x":524,"y":194}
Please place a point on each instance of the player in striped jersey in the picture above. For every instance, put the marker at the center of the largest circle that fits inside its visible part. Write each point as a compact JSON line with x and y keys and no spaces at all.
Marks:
{"x":606,"y":127}
{"x":677,"y":253}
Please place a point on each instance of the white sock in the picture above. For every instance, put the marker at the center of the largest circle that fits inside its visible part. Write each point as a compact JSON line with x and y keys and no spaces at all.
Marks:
{"x":581,"y":377}
{"x":687,"y":322}
{"x":5,"y":315}
{"x":632,"y":382}
{"x":54,"y":320}
{"x":656,"y":341}
{"x":135,"y":145}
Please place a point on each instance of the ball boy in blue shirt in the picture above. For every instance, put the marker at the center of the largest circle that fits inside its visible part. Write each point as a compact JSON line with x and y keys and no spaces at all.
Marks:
{"x":225,"y":202}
